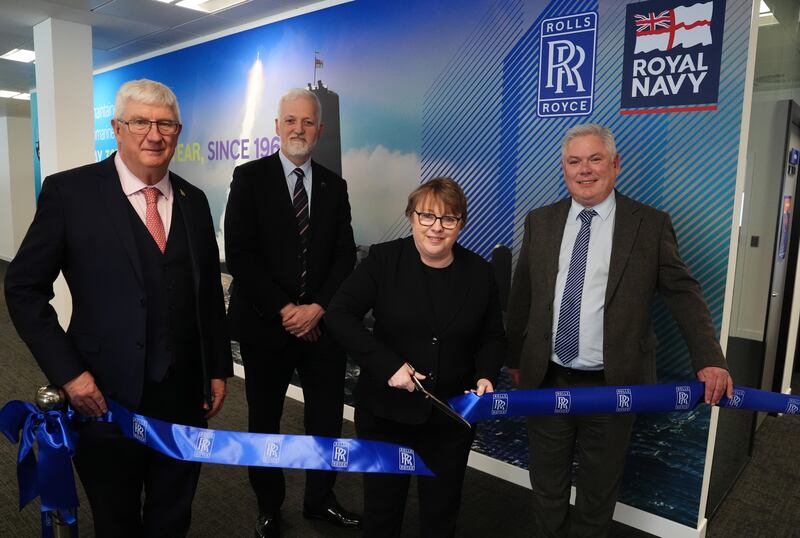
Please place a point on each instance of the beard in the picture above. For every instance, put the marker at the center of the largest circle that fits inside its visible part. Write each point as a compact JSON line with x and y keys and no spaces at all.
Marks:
{"x":298,"y":148}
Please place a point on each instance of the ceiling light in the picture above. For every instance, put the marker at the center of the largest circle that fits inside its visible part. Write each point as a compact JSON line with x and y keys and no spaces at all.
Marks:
{"x":165,"y":1}
{"x":8,"y":93}
{"x":22,"y":96}
{"x":763,"y":8}
{"x":19,"y":55}
{"x":209,"y":6}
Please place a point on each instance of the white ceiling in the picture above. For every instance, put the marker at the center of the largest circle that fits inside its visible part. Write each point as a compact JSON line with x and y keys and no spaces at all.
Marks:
{"x":121,"y":29}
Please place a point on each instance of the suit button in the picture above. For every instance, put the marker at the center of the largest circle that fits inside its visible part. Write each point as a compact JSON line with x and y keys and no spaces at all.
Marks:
{"x":431,"y":377}
{"x":139,"y":345}
{"x":547,"y":336}
{"x":434,"y":341}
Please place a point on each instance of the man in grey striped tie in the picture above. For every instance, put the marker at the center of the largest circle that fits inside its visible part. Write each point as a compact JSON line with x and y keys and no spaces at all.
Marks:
{"x":289,"y":245}
{"x":579,"y":315}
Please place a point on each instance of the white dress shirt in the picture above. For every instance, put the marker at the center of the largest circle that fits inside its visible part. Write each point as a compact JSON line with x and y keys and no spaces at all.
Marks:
{"x":590,"y":336}
{"x":132,"y":187}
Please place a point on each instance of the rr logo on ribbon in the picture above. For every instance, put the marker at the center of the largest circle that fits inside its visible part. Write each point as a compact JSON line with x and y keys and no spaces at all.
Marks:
{"x":793,"y":407}
{"x":683,"y":397}
{"x":340,"y":455}
{"x":407,"y":462}
{"x":499,"y":403}
{"x":204,"y":444}
{"x":563,"y":402}
{"x":272,"y":450}
{"x":737,"y":400}
{"x":140,"y":429}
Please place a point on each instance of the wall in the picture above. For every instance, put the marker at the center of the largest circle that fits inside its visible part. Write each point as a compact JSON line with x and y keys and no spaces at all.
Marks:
{"x":17,"y":198}
{"x":760,"y":216}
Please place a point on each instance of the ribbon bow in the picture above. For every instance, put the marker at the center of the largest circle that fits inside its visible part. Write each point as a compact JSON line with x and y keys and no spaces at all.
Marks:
{"x":49,"y":478}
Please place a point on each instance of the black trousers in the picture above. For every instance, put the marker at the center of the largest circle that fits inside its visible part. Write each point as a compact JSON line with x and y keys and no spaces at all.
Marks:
{"x":444,"y":447}
{"x":115,"y":470}
{"x":600,"y":443}
{"x":268,"y":371}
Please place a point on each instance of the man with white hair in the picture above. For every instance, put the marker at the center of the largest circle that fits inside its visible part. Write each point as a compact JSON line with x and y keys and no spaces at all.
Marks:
{"x":137,"y":247}
{"x":289,"y":245}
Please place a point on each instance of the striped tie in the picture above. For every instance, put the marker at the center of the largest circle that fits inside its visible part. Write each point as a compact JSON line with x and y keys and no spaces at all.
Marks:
{"x":300,"y":202}
{"x":569,"y":316}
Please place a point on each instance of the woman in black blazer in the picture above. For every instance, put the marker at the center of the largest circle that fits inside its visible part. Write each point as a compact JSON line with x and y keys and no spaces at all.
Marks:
{"x":437,"y":317}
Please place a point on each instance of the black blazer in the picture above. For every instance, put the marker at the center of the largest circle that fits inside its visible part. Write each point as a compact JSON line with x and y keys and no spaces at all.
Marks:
{"x":82,"y":227}
{"x":644,"y":261}
{"x":262,"y":246}
{"x":466,"y":345}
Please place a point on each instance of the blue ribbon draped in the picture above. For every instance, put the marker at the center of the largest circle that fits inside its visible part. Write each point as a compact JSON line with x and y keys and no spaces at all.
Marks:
{"x":267,"y":450}
{"x":658,"y":398}
{"x":50,"y":478}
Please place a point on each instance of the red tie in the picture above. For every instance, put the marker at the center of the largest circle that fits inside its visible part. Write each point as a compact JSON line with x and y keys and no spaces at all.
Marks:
{"x":152,"y":219}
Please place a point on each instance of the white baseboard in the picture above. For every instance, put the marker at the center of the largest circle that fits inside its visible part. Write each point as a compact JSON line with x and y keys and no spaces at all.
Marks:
{"x":627,"y":515}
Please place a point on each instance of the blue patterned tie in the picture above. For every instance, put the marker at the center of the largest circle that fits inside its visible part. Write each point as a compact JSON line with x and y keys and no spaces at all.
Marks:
{"x":569,"y":316}
{"x":300,"y":203}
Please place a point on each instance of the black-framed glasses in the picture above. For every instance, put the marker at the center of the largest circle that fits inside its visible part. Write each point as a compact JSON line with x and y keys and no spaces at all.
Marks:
{"x":141,"y":126}
{"x":449,"y":222}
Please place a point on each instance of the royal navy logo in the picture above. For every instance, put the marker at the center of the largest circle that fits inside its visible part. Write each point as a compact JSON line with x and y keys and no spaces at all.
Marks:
{"x":738,"y":398}
{"x":499,"y":403}
{"x":407,"y":460}
{"x":272,"y":450}
{"x":340,"y":455}
{"x":672,"y":58}
{"x":793,"y":407}
{"x":624,"y":400}
{"x":140,"y":429}
{"x":683,"y":397}
{"x":563,"y":402}
{"x":566,"y":65}
{"x":204,"y":444}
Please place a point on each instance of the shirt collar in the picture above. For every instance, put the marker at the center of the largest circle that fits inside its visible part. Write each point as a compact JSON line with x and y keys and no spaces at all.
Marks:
{"x":603,"y":209}
{"x":132,"y":184}
{"x":289,"y":166}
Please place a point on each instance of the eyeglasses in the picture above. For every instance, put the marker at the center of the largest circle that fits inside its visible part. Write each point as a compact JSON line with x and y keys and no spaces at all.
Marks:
{"x":449,"y":222}
{"x":141,"y":126}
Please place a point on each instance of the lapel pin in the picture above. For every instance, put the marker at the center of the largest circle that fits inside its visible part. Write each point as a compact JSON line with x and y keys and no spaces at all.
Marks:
{"x":182,"y":193}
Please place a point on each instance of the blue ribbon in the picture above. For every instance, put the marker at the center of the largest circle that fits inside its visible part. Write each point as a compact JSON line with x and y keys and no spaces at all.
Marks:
{"x":267,"y":450}
{"x":49,"y":478}
{"x":658,"y":398}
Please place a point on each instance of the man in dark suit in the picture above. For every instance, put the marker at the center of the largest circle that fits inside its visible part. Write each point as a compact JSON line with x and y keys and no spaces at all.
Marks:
{"x":137,"y":247}
{"x":579,"y":315}
{"x":289,"y":245}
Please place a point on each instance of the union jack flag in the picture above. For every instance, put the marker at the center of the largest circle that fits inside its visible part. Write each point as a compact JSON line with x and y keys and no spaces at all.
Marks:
{"x":651,"y":22}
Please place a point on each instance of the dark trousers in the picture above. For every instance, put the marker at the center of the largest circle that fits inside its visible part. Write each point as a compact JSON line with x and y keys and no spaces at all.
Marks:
{"x":321,"y":368}
{"x":115,"y":470}
{"x":444,"y":447}
{"x":600,"y":445}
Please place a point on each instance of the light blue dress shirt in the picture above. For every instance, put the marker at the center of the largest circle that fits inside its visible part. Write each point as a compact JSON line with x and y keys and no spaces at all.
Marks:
{"x":590,"y":339}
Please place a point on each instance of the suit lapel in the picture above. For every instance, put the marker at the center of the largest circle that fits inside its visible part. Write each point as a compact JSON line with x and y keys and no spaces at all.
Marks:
{"x":319,"y":196}
{"x":551,"y":236}
{"x":181,"y":198}
{"x":116,"y":204}
{"x":626,"y":227}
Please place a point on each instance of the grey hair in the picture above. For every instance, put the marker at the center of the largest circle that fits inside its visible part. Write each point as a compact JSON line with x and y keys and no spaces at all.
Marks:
{"x":148,"y":92}
{"x":590,"y":129}
{"x":300,"y":93}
